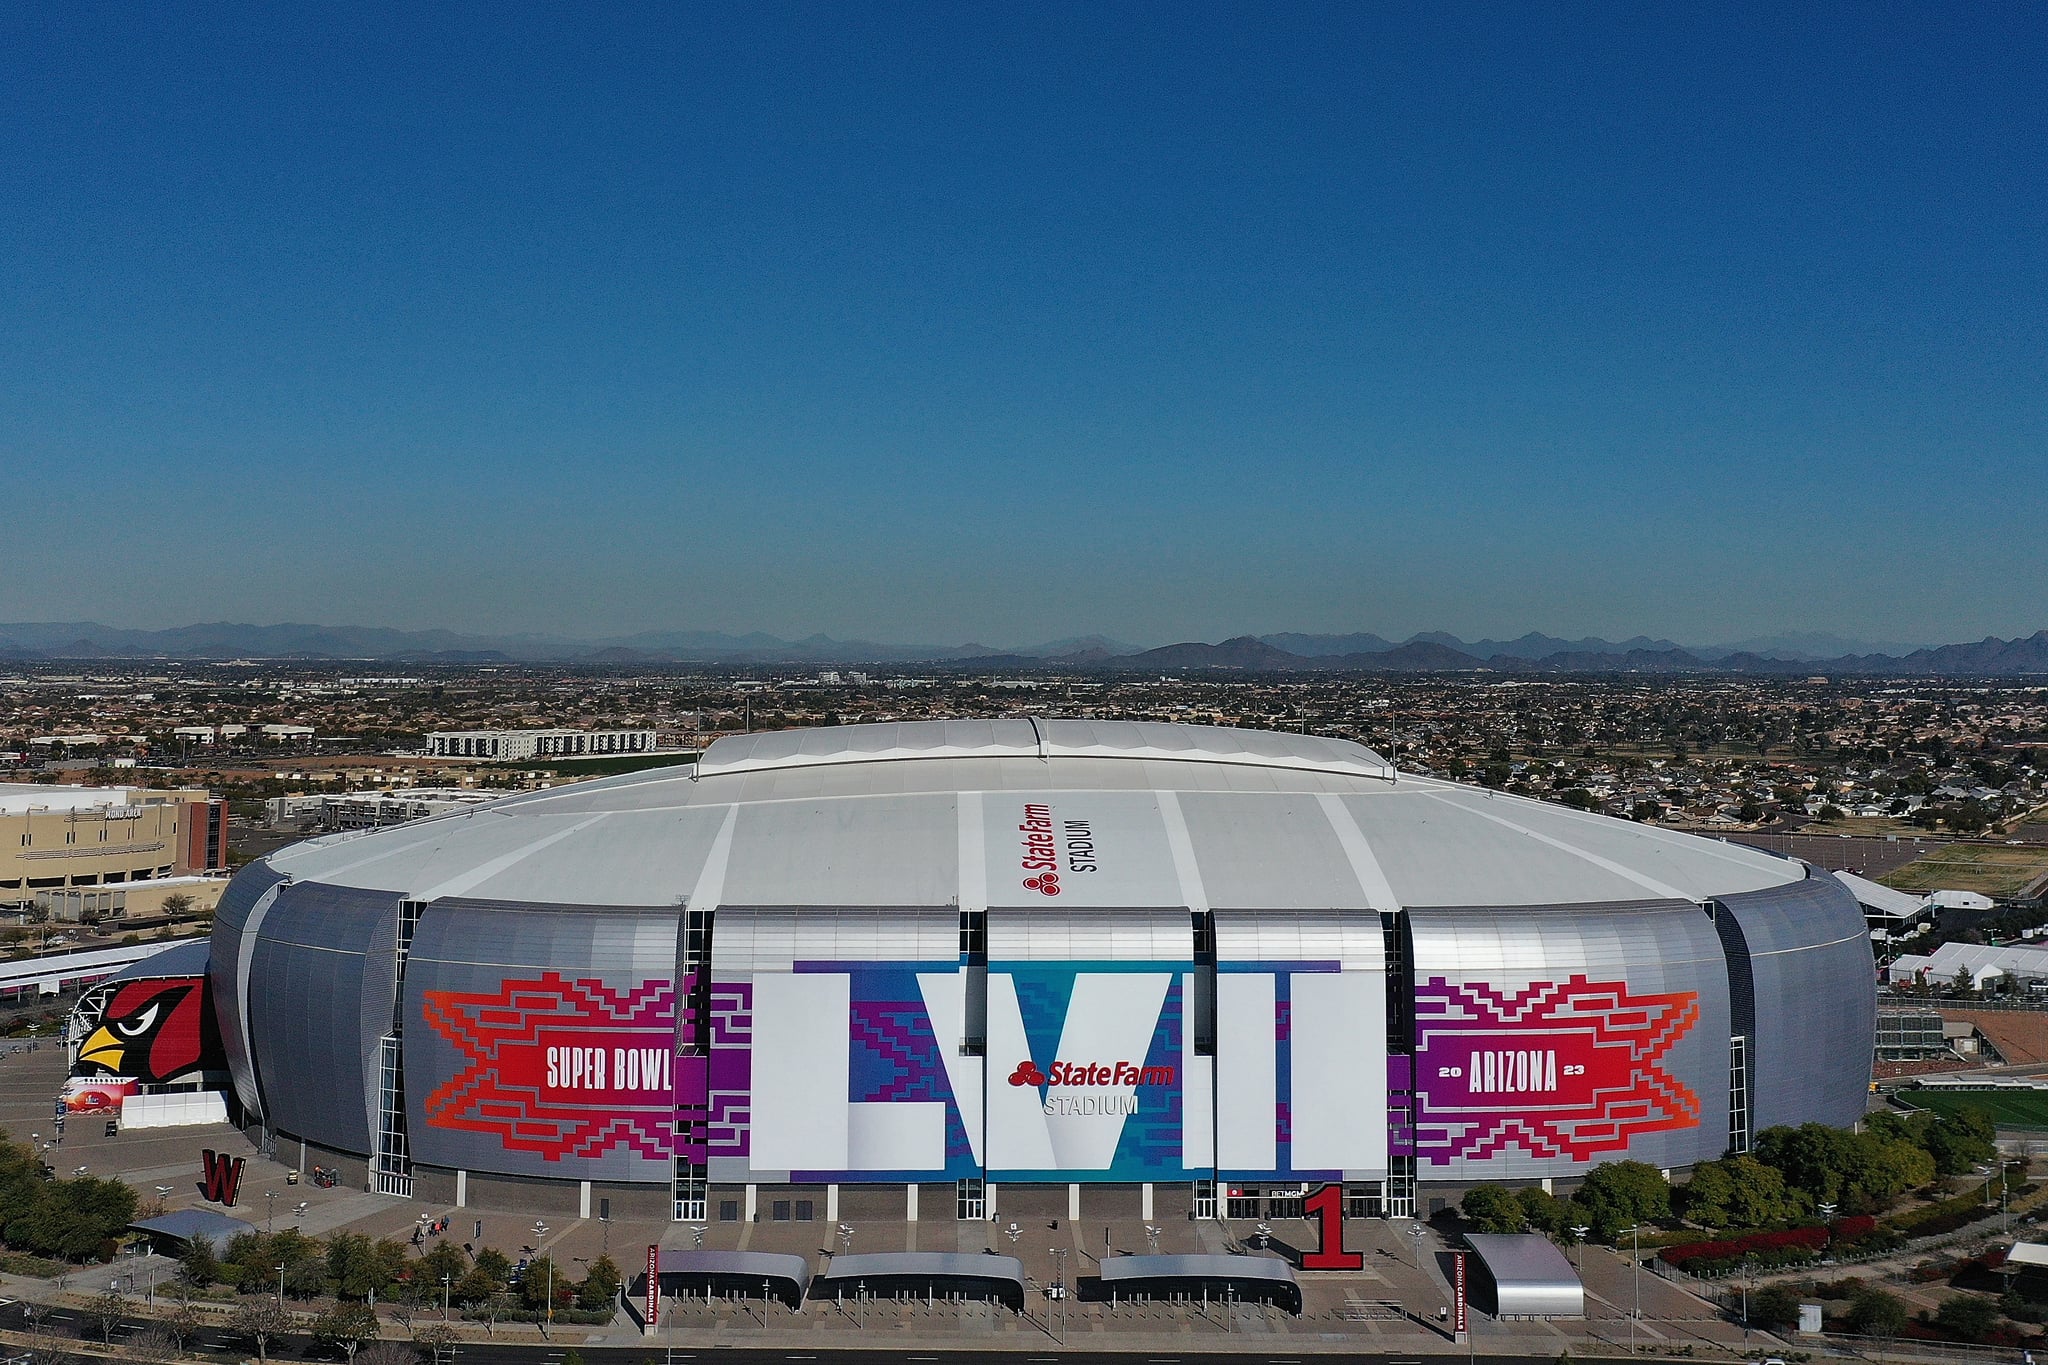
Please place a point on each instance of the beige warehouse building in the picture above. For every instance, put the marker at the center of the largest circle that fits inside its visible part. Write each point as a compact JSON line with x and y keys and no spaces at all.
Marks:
{"x":55,"y":837}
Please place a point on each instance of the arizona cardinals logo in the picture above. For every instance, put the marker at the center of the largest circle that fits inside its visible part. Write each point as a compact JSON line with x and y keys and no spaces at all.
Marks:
{"x":151,"y":1030}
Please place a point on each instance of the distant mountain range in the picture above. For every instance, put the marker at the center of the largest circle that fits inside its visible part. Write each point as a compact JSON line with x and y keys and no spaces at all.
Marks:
{"x":1285,"y":652}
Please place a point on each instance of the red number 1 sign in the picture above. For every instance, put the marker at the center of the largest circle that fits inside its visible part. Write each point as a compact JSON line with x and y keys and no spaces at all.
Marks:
{"x":1326,"y":1206}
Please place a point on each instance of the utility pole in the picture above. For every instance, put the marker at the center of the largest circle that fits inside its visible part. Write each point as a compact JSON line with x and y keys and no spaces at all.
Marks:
{"x":1636,"y":1241}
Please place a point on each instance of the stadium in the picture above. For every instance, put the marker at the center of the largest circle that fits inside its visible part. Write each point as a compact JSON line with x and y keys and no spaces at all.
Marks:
{"x":1003,"y":964}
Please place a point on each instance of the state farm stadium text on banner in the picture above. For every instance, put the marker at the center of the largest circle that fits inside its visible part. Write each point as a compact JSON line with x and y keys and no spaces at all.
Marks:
{"x":1033,"y":953}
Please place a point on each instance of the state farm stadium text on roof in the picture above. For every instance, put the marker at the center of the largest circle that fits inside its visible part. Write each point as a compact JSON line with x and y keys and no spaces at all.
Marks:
{"x":1015,"y":954}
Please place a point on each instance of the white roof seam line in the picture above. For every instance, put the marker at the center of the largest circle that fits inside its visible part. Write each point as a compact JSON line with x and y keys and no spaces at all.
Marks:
{"x":1607,"y":864}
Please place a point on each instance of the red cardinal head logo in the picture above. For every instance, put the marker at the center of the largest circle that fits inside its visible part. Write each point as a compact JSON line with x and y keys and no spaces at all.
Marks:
{"x":1027,"y":1073}
{"x":151,"y":1030}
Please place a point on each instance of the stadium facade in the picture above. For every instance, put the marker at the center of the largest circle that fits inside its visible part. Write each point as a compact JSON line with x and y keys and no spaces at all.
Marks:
{"x":1010,"y":962}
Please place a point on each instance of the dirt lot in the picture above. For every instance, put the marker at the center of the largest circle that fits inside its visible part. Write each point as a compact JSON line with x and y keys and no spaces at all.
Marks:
{"x":1866,"y":857}
{"x":1992,"y":869}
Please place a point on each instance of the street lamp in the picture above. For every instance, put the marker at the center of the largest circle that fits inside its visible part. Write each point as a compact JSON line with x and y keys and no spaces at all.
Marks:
{"x":280,"y":1287}
{"x":1415,"y":1231}
{"x":1636,"y":1242}
{"x":445,"y":1284}
{"x":1749,"y":1269}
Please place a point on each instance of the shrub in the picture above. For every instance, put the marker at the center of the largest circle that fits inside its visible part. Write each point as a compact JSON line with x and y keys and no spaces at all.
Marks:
{"x":1765,"y":1248}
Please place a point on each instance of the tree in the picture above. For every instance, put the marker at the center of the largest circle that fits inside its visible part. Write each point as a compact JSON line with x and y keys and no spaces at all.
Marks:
{"x":199,"y":1267}
{"x":1739,"y":1192}
{"x":1874,"y":1313}
{"x":476,"y":1286}
{"x":444,"y":1261}
{"x":600,"y":1286}
{"x":1621,"y":1194}
{"x":358,"y":1267}
{"x":177,"y":903}
{"x":1814,"y":1158}
{"x":409,"y":1296}
{"x":1774,"y":1306}
{"x":1542,"y":1210}
{"x":345,"y":1327}
{"x":155,"y":1342}
{"x":1489,"y":1208}
{"x":262,"y":1321}
{"x":1967,"y":1316}
{"x":1961,"y":1140}
{"x":433,"y":1340}
{"x":1883,"y":1169}
{"x":535,"y":1281}
{"x":183,"y":1321}
{"x":104,"y":1314}
{"x":388,"y":1353}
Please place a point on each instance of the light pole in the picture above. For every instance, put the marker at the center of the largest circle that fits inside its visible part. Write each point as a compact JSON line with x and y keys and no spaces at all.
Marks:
{"x":1415,"y":1231}
{"x":280,"y":1288}
{"x":269,"y":1208}
{"x":445,"y":1285}
{"x":1636,"y":1242}
{"x":1579,"y":1231}
{"x":1749,"y":1269}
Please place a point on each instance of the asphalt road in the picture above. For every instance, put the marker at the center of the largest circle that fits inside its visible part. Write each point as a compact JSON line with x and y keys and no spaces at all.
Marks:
{"x":214,"y":1341}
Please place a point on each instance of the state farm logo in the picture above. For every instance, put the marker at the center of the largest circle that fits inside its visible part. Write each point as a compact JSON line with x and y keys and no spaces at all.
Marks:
{"x":1090,"y":1073}
{"x":1049,"y":848}
{"x":1110,"y":1076}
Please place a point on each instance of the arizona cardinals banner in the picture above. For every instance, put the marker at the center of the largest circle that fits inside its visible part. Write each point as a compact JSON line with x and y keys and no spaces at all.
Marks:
{"x":1458,"y":1310}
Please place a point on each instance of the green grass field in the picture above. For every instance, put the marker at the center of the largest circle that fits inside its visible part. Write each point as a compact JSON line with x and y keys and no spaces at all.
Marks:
{"x":1993,"y":869}
{"x":2022,"y":1109}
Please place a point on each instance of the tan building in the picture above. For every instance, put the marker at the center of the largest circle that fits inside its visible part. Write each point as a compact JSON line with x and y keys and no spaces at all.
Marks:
{"x":54,"y":837}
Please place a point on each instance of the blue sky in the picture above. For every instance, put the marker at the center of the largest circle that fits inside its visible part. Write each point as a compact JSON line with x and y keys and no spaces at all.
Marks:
{"x":949,"y":322}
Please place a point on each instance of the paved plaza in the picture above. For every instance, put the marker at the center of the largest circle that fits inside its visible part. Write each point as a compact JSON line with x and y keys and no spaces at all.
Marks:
{"x":1397,"y":1303}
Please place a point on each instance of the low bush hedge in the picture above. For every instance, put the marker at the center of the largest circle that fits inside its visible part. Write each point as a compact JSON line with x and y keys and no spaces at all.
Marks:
{"x":1788,"y":1247}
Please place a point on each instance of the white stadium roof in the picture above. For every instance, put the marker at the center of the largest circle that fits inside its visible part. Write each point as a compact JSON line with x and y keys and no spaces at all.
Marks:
{"x":1882,"y":899}
{"x":928,"y":813}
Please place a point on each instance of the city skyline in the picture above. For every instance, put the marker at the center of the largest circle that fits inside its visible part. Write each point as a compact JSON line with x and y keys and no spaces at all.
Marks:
{"x":1008,"y":325}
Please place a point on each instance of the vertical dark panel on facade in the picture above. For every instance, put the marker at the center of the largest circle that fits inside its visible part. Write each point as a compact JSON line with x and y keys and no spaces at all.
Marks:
{"x":1741,"y":982}
{"x":1814,"y":986}
{"x":224,"y":974}
{"x":326,"y":958}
